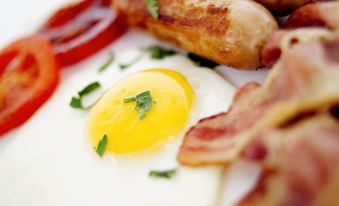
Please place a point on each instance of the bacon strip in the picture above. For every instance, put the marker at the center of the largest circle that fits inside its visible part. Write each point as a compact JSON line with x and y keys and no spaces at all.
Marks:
{"x":321,"y":15}
{"x":301,"y":165}
{"x":290,"y":125}
{"x":324,"y":15}
{"x":212,"y":136}
{"x":305,"y":79}
{"x":283,"y":7}
{"x":271,"y":51}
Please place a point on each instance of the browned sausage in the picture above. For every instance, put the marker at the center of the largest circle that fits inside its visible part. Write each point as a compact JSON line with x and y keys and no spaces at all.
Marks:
{"x":230,"y":32}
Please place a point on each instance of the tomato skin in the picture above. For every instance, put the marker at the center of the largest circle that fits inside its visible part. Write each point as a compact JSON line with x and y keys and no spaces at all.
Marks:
{"x":88,"y":48}
{"x":80,"y":30}
{"x":27,"y":85}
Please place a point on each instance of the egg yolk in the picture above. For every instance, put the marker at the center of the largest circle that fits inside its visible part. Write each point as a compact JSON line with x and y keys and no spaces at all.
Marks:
{"x":127,"y":133}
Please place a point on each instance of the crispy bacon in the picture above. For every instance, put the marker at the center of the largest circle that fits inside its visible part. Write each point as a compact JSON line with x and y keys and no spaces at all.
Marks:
{"x":271,"y":51}
{"x":214,"y":135}
{"x":290,"y":125}
{"x":283,"y":7}
{"x":302,"y":165}
{"x":320,"y":15}
{"x":305,"y":79}
{"x":332,"y":51}
{"x":324,"y":15}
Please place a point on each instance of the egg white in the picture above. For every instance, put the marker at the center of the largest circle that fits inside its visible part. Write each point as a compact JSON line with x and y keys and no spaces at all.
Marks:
{"x":48,"y":161}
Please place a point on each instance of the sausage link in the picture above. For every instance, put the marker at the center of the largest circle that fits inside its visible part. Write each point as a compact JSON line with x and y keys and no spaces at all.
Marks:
{"x":230,"y":32}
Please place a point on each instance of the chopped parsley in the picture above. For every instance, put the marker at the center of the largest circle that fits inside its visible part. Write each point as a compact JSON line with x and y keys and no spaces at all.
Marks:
{"x":152,"y":6}
{"x":158,"y":52}
{"x":76,"y":101}
{"x":107,"y":63}
{"x":143,"y":101}
{"x":200,"y":61}
{"x":89,"y":88}
{"x":167,"y":174}
{"x":126,"y":65}
{"x":102,"y":145}
{"x":130,"y":99}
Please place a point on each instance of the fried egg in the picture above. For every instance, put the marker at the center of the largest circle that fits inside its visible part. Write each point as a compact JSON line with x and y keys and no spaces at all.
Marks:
{"x":129,"y":132}
{"x":51,"y":160}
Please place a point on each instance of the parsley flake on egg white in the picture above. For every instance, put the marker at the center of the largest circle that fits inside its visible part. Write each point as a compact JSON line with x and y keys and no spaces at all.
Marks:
{"x":167,"y":174}
{"x":109,"y":61}
{"x":76,"y":101}
{"x":158,"y":52}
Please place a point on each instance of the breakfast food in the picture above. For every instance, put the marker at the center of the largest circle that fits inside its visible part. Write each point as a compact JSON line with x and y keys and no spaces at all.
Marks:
{"x":289,"y":125}
{"x":315,"y":15}
{"x":117,"y":133}
{"x":293,"y":88}
{"x":299,"y":164}
{"x":28,"y":76}
{"x":283,"y":7}
{"x":29,"y":68}
{"x":165,"y":94}
{"x":320,"y":19}
{"x":55,"y":148}
{"x":285,"y":39}
{"x":230,"y":32}
{"x":81,"y":29}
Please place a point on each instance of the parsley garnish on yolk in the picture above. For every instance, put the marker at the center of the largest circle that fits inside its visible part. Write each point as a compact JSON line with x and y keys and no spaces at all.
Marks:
{"x":143,"y":101}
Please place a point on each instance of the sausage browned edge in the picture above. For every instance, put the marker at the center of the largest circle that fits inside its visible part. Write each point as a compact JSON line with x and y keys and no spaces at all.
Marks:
{"x":230,"y":32}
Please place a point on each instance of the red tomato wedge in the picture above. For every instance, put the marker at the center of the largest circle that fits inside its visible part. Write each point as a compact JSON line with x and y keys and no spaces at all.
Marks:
{"x":28,"y":76}
{"x":80,"y":30}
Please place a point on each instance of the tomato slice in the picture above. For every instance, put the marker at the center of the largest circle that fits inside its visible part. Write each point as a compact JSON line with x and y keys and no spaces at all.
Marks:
{"x":79,"y":30}
{"x":28,"y":76}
